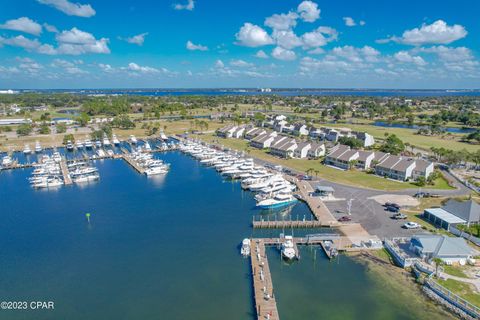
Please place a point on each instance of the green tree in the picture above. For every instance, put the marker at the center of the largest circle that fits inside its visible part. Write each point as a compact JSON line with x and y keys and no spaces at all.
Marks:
{"x":123,"y":122}
{"x":61,"y":128}
{"x":393,"y":145}
{"x":24,"y":129}
{"x":352,"y":142}
{"x":68,"y":137}
{"x":83,"y":119}
{"x":44,"y":129}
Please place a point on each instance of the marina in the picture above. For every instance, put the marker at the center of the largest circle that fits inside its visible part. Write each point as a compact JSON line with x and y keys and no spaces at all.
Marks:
{"x":156,"y":225}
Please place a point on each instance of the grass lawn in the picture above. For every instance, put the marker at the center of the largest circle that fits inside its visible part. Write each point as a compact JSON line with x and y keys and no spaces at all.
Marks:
{"x":454,"y":271}
{"x":408,"y":135}
{"x":464,"y":290}
{"x":473,"y":229}
{"x":352,"y":177}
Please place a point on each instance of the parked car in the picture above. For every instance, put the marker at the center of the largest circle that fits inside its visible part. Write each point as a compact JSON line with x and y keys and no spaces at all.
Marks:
{"x":392,"y":209}
{"x":411,"y":225}
{"x":345,"y":219}
{"x":391,"y":204}
{"x":399,"y":216}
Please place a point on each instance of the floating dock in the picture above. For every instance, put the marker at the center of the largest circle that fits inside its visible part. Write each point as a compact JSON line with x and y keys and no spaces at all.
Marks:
{"x":132,"y":163}
{"x":318,"y":208}
{"x":265,"y":303}
{"x":65,"y":173}
{"x":285,"y":224}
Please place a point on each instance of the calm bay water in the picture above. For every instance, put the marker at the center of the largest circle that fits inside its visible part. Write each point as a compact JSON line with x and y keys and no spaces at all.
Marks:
{"x":160,"y":249}
{"x":416,"y":127}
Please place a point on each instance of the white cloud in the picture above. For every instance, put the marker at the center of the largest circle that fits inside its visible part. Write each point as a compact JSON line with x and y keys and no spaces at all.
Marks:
{"x":75,"y":36}
{"x":251,"y":35}
{"x":190,"y":5}
{"x":286,"y":39}
{"x":106,"y":67}
{"x":436,"y":33}
{"x":319,"y":37}
{"x":357,"y":55}
{"x":309,"y":11}
{"x":193,"y":47}
{"x":29,"y":65}
{"x":68,"y":66}
{"x":362,"y":23}
{"x":406,"y":57}
{"x":283,"y":54}
{"x":139,"y":39}
{"x":219,"y":64}
{"x":23,"y":24}
{"x":349,"y":22}
{"x":241,"y":63}
{"x":50,"y":28}
{"x":282,"y":21}
{"x":317,"y":51}
{"x":22,"y":42}
{"x":261,"y":54}
{"x":69,"y":8}
{"x":75,"y":42}
{"x":449,"y":54}
{"x":141,"y":69}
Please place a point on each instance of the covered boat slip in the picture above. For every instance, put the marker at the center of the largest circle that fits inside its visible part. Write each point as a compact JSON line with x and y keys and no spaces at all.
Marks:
{"x":442,"y":218}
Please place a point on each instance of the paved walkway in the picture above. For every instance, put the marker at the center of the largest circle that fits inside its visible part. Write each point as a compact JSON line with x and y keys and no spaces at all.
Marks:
{"x":475,"y":282}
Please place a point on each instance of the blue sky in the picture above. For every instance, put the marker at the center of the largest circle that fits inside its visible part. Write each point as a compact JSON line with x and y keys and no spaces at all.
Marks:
{"x":262,"y":43}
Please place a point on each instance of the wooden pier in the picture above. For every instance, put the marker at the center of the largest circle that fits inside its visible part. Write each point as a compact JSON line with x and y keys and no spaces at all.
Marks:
{"x":265,"y":303}
{"x":65,"y":173}
{"x":132,"y":163}
{"x":286,"y":224}
{"x":318,"y":208}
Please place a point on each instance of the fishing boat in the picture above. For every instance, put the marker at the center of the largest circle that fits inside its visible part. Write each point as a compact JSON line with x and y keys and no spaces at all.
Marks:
{"x":106,"y":142}
{"x":88,"y":144}
{"x":115,"y":140}
{"x":278,"y":201}
{"x":288,"y":248}
{"x":7,"y":161}
{"x":27,"y":149}
{"x":147,"y":146}
{"x":38,"y":147}
{"x":69,"y":145}
{"x":245,"y":249}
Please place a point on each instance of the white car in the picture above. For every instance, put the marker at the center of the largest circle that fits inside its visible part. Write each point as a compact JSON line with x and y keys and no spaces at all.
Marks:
{"x":411,"y":225}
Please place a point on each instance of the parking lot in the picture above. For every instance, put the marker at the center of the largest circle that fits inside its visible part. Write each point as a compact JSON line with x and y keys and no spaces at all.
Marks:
{"x":371,"y":214}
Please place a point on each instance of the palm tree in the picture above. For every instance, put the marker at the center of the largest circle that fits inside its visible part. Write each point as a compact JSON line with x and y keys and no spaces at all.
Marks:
{"x":438,"y":263}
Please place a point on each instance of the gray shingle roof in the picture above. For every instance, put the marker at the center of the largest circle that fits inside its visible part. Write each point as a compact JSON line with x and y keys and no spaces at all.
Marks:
{"x":442,"y":246}
{"x":467,"y":210}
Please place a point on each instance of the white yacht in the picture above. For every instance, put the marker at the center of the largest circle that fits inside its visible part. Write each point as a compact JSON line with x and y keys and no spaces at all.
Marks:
{"x":88,"y":144}
{"x":163,"y":136}
{"x":245,"y":250}
{"x":288,"y":249}
{"x":57,"y":157}
{"x":38,"y":147}
{"x":79,"y":144}
{"x":115,"y":140}
{"x":155,"y":171}
{"x":98,"y":143}
{"x":7,"y":161}
{"x":277,"y":201}
{"x":106,"y":142}
{"x":132,"y":139}
{"x":69,"y":145}
{"x":27,"y":149}
{"x":147,"y":146}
